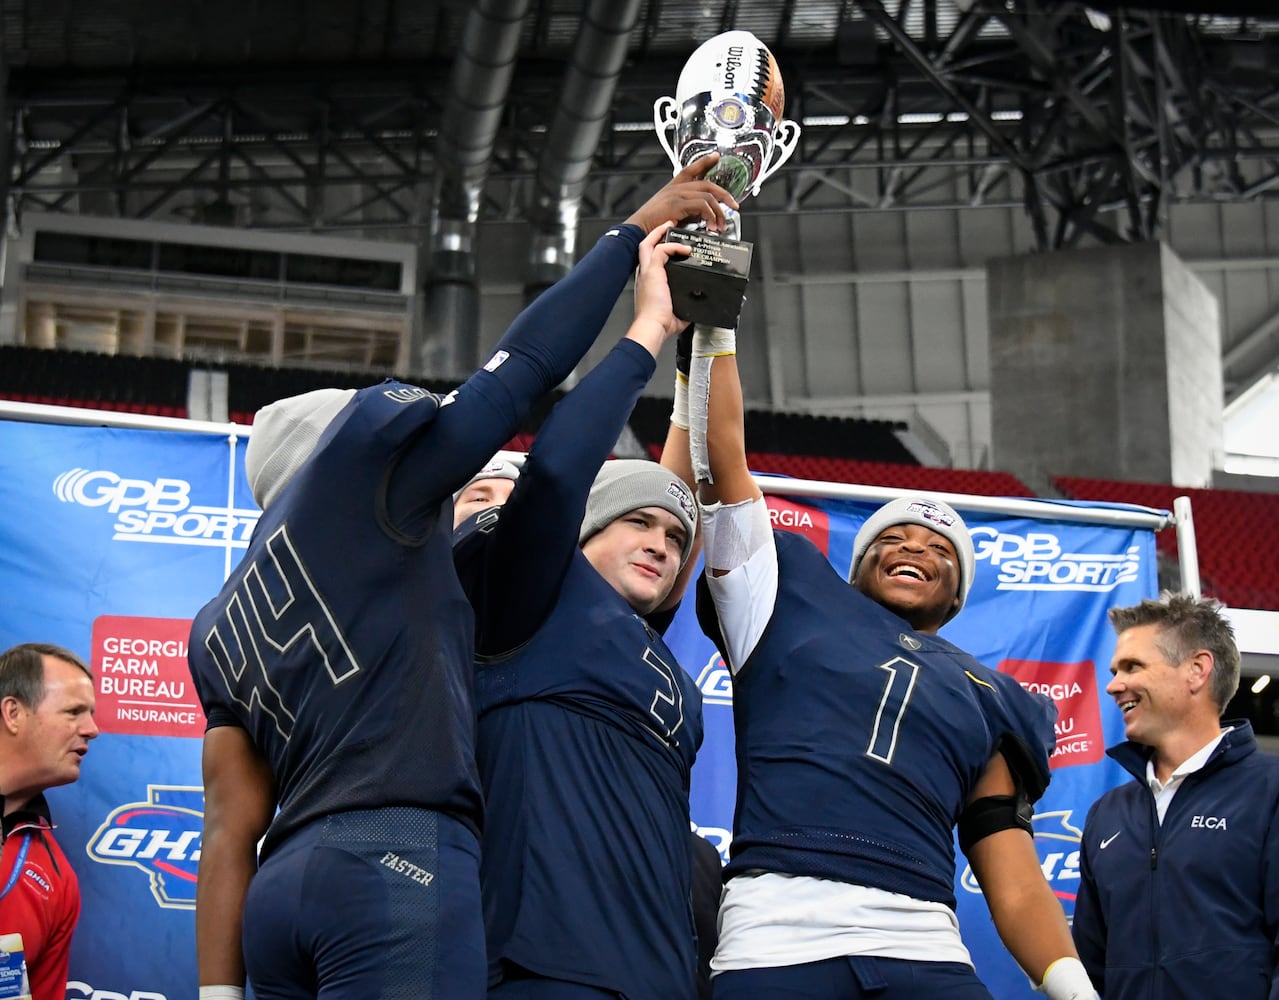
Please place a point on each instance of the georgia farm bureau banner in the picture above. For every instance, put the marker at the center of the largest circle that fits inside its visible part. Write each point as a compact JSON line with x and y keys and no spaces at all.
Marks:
{"x":1037,"y":610}
{"x":112,"y":539}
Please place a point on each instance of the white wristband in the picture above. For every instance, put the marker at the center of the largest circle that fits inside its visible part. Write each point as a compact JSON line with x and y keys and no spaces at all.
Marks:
{"x":221,"y":993}
{"x":1066,"y":979}
{"x":713,"y":341}
{"x":679,"y":412}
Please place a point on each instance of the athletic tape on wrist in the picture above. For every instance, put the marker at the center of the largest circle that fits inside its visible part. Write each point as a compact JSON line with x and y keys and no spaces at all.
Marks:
{"x":713,"y":341}
{"x":1066,"y":979}
{"x":221,"y":993}
{"x":679,"y":412}
{"x":699,"y":394}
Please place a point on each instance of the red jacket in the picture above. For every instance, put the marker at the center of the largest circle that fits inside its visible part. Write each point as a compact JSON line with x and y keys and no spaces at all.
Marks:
{"x":41,"y":897}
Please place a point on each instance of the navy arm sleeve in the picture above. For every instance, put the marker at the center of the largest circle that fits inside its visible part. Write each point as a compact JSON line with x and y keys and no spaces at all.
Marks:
{"x":1089,"y":924}
{"x":536,"y":354}
{"x":531,"y":548}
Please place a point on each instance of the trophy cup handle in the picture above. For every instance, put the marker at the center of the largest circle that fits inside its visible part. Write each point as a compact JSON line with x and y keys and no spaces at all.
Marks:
{"x":665,"y":118}
{"x":784,"y":143}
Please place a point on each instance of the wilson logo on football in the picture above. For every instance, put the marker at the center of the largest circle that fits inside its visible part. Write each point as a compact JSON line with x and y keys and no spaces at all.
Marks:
{"x":160,"y":837}
{"x":156,"y":510}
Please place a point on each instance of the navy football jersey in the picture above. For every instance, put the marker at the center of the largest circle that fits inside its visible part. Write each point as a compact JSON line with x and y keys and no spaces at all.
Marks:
{"x":587,"y":735}
{"x":860,"y":740}
{"x":342,"y":644}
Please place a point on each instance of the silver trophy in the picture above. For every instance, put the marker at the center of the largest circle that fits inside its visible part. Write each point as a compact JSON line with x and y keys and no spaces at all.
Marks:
{"x":729,"y":100}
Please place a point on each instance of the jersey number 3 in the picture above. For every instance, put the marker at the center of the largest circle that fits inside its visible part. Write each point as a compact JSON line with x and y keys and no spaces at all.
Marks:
{"x":668,"y":699}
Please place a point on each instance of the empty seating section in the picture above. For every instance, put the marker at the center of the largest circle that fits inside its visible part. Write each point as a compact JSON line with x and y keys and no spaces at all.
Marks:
{"x":794,"y":433}
{"x":123,"y":383}
{"x":251,"y":387}
{"x":867,"y":473}
{"x":1236,"y":534}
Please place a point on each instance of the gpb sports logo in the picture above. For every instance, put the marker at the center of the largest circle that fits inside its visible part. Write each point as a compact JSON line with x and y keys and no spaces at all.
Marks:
{"x":1057,"y":842}
{"x":160,"y":837}
{"x":1035,"y":561}
{"x":715,"y":682}
{"x":156,"y":510}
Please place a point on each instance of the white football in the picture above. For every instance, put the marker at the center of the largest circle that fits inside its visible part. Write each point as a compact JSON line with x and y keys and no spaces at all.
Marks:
{"x":735,"y":62}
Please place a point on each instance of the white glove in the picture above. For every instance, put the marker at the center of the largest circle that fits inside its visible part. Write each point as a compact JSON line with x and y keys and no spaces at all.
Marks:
{"x":1066,"y":979}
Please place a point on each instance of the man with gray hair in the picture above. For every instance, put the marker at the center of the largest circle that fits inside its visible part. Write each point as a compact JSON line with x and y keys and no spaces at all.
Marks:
{"x":46,"y":723}
{"x":1179,"y":889}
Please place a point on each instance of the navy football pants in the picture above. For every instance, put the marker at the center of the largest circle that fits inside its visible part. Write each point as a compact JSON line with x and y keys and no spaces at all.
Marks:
{"x":375,"y":904}
{"x":852,"y":978}
{"x":536,"y":988}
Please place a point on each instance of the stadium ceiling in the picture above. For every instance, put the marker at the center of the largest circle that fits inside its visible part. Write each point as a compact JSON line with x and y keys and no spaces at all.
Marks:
{"x":401,"y":115}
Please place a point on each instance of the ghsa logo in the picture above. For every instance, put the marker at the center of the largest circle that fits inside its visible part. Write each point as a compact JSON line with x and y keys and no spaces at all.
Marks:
{"x":156,"y":510}
{"x":715,"y":682}
{"x":160,"y":837}
{"x":1057,"y":842}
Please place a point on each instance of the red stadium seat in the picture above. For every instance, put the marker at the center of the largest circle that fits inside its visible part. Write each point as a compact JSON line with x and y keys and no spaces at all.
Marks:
{"x":1236,"y":534}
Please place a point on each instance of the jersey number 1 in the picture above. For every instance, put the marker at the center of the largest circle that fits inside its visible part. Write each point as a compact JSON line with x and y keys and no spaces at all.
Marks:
{"x":892,"y":706}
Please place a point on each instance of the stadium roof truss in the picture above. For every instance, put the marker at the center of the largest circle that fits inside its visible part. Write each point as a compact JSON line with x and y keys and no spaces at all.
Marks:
{"x":1093,"y":119}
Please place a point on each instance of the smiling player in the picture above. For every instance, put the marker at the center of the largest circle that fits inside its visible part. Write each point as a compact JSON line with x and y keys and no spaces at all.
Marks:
{"x":863,"y":739}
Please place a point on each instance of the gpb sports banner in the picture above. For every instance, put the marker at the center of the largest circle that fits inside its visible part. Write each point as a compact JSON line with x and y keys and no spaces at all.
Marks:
{"x":1037,"y":611}
{"x":113,"y":539}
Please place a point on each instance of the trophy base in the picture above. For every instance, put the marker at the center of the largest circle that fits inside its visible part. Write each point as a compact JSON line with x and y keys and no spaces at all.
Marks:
{"x":708,"y":286}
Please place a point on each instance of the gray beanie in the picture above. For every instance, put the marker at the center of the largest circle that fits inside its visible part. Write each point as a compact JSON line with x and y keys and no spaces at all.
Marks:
{"x":497,"y":468}
{"x":627,"y":484}
{"x":284,"y":435}
{"x":933,"y":514}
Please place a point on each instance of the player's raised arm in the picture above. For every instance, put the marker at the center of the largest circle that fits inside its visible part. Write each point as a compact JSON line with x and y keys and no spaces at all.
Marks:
{"x":537,"y":533}
{"x":549,"y":338}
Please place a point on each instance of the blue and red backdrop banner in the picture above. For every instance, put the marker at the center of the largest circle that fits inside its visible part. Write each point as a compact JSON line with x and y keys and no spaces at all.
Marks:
{"x":113,"y":538}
